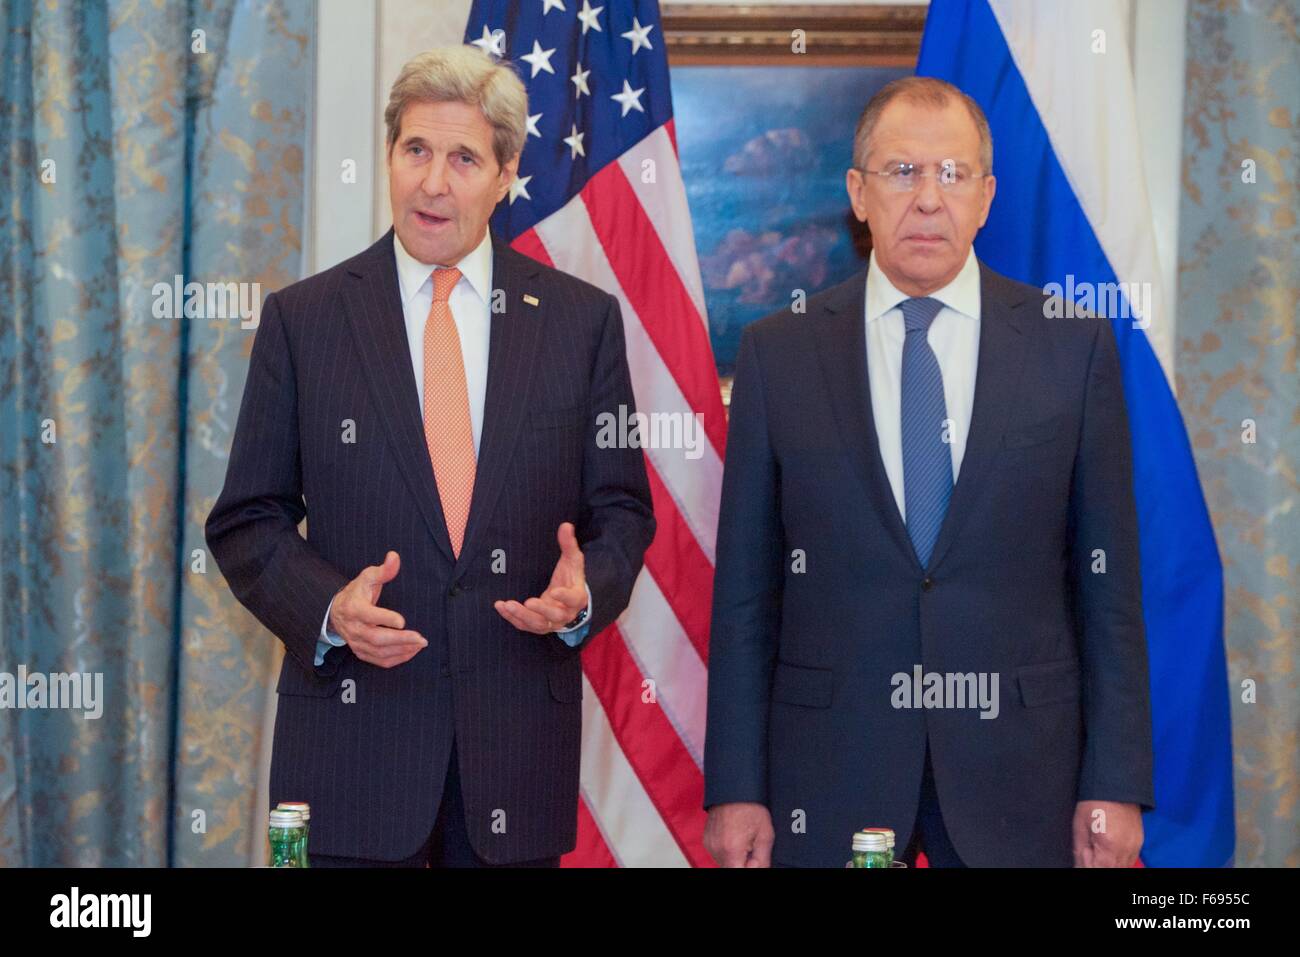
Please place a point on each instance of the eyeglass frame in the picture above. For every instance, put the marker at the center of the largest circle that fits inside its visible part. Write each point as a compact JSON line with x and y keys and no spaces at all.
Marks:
{"x":924,"y":174}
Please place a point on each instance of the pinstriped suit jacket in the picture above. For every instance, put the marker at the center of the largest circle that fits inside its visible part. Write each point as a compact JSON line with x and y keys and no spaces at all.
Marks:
{"x":368,"y":747}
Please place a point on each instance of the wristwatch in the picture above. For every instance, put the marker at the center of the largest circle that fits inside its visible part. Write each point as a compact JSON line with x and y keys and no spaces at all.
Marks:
{"x":582,"y":616}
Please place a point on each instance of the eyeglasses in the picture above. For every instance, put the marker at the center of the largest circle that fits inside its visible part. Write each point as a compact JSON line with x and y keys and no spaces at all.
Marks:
{"x":903,"y":177}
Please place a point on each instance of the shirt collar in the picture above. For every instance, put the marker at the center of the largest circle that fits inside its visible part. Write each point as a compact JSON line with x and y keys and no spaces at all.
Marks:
{"x":475,"y":268}
{"x":962,"y":295}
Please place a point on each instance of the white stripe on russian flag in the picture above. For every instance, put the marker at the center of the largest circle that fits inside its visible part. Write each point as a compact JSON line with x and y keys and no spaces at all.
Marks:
{"x":1086,"y":103}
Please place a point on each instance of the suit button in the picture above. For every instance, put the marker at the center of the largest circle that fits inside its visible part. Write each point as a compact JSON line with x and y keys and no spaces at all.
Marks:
{"x":455,"y":591}
{"x":927,"y":583}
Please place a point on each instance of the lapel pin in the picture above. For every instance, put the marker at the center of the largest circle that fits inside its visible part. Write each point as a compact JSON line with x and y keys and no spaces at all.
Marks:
{"x":531,"y":300}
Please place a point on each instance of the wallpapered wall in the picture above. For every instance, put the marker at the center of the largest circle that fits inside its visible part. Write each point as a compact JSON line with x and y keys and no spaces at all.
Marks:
{"x":1239,"y":289}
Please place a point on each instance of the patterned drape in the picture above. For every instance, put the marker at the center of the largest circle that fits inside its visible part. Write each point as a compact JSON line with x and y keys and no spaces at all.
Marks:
{"x":1239,"y":292}
{"x":145,"y":146}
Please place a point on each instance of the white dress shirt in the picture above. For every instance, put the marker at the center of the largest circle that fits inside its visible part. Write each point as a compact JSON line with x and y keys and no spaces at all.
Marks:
{"x":954,"y":336}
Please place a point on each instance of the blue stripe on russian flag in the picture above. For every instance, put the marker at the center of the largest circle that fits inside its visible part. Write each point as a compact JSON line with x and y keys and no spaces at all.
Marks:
{"x":1038,"y":233}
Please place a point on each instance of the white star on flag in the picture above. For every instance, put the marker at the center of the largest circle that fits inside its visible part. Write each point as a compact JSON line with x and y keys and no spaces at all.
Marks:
{"x":580,"y":81}
{"x":539,"y":59}
{"x":517,"y":188}
{"x":629,"y":99}
{"x":639,"y":35}
{"x":532,"y":125}
{"x":549,"y":5}
{"x":492,"y":42}
{"x":574,"y":142}
{"x":588,"y":17}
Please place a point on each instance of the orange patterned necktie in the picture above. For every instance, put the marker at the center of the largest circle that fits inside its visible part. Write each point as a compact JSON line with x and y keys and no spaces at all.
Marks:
{"x":447,"y":427}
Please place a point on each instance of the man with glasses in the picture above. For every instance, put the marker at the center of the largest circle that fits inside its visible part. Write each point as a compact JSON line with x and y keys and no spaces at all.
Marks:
{"x":927,"y":608}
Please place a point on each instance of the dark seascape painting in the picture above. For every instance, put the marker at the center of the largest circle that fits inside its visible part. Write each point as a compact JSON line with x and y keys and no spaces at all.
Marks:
{"x":763,"y":152}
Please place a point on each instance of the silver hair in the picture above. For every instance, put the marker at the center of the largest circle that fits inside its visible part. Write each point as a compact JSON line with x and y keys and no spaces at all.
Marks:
{"x":464,"y":74}
{"x":925,"y":91}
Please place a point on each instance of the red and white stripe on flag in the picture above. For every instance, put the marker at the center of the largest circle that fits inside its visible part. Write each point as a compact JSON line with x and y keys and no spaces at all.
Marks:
{"x":645,"y":695}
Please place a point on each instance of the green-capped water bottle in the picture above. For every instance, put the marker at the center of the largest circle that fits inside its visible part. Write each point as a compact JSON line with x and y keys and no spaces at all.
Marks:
{"x":303,"y":808}
{"x":285,"y":833}
{"x":871,"y":848}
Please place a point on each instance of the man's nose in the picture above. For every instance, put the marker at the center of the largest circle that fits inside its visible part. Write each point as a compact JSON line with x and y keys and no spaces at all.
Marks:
{"x":435,"y":179}
{"x":928,"y":198}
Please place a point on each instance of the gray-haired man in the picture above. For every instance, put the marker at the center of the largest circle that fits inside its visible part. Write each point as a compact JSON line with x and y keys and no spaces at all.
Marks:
{"x":430,"y":406}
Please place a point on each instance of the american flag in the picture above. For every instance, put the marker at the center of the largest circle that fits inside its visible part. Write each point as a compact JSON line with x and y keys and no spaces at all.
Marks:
{"x":599,"y":195}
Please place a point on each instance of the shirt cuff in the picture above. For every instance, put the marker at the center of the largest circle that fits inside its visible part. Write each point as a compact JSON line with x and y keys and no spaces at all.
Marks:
{"x":574,"y":636}
{"x":327,"y":639}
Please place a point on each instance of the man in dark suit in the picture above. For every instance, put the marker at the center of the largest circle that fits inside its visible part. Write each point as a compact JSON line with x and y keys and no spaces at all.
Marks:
{"x":434,"y":401}
{"x":927,"y":605}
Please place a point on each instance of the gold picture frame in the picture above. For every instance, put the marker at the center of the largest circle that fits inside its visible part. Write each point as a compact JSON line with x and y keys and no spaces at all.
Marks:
{"x":832,"y":35}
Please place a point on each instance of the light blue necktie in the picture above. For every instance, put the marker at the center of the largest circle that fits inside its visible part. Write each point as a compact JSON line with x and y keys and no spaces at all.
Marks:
{"x":927,"y":458}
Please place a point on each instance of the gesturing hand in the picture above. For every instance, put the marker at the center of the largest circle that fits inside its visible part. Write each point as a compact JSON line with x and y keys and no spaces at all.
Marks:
{"x":374,"y":634}
{"x":563,"y":599}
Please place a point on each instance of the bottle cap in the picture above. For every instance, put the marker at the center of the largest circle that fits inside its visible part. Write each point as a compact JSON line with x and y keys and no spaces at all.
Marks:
{"x":302,"y":807}
{"x":887,"y":831}
{"x":871,"y":839}
{"x":285,"y":819}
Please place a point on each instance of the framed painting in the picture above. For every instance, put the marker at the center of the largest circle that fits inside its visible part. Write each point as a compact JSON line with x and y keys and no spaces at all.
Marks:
{"x":765,"y":101}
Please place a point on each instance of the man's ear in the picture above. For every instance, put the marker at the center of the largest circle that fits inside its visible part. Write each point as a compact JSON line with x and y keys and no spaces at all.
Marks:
{"x":507,"y":176}
{"x":990,"y":189}
{"x":853,"y":183}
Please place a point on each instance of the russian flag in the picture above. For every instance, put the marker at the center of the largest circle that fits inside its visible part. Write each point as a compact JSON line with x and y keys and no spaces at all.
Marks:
{"x":1071,"y":209}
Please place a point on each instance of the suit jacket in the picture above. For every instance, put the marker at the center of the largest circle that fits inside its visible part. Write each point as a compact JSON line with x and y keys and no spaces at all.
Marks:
{"x":802,"y":656}
{"x":368,"y":747}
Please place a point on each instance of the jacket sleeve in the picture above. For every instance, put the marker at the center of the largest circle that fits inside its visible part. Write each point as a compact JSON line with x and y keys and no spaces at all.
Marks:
{"x":617,"y":522}
{"x":1117,"y":757}
{"x":252,"y":531}
{"x":747,"y":588}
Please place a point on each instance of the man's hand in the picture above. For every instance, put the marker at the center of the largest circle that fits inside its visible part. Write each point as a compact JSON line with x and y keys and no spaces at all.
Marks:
{"x":739,"y":835}
{"x":374,"y":634}
{"x":563,"y":599}
{"x":1111,"y":838}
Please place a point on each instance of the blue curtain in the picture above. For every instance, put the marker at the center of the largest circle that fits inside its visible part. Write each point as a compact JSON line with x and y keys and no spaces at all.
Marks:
{"x":1238,"y":302}
{"x":146,"y":146}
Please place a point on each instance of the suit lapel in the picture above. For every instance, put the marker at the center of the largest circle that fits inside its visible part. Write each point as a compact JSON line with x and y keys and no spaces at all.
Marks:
{"x":997,"y":378}
{"x":373,"y":304}
{"x":843,"y":353}
{"x":514,"y":343}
